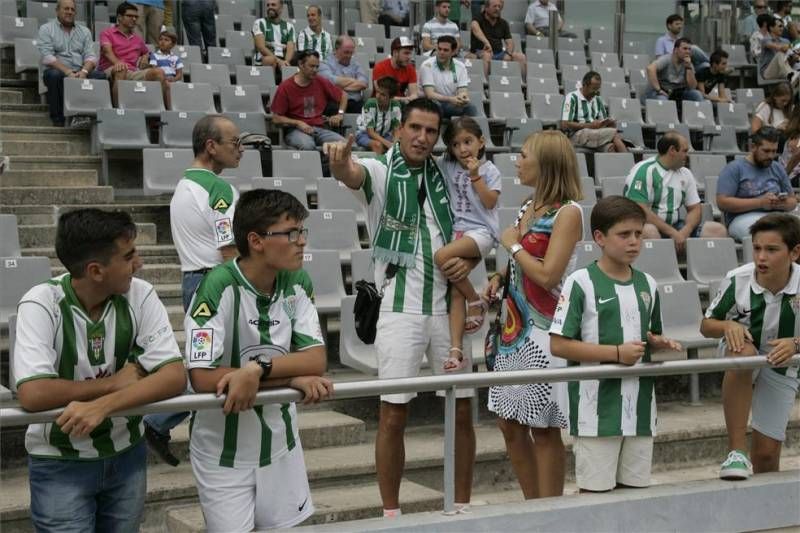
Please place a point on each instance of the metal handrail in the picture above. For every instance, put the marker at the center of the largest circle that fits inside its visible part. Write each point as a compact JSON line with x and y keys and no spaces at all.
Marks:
{"x":11,"y":416}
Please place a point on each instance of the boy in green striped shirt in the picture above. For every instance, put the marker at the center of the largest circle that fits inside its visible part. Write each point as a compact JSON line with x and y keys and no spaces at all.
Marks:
{"x":609,"y":312}
{"x":757,"y":312}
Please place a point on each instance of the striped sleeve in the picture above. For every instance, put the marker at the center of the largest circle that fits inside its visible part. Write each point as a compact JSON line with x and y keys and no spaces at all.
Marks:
{"x":725,"y":301}
{"x":306,"y":331}
{"x":569,"y":111}
{"x":601,"y":108}
{"x":34,"y":354}
{"x":569,"y":311}
{"x":655,"y":312}
{"x":636,"y":186}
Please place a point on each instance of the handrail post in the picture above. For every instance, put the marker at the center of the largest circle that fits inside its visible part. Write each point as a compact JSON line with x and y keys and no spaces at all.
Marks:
{"x":694,"y":382}
{"x":449,"y":450}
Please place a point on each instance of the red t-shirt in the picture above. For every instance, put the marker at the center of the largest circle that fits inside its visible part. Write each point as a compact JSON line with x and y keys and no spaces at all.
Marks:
{"x":305,"y":103}
{"x":404,"y":75}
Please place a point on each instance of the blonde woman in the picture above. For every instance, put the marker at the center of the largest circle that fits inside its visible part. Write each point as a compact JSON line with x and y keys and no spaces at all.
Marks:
{"x":540,"y":244}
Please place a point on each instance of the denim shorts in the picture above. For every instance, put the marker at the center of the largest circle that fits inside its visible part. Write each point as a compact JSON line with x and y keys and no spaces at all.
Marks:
{"x":92,"y":495}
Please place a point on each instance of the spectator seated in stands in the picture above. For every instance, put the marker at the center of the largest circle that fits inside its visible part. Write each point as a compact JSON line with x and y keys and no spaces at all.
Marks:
{"x":758,"y":36}
{"x":380,"y":118}
{"x":439,"y":26}
{"x":394,"y":13}
{"x":66,"y":50}
{"x":124,"y":56}
{"x":273,"y":39}
{"x":751,"y":187}
{"x":749,"y":24}
{"x":783,"y":11}
{"x":300,"y":101}
{"x":347,"y":74}
{"x":537,"y":19}
{"x":585,"y":120}
{"x":774,"y":111}
{"x":445,"y":80}
{"x":767,"y":289}
{"x":169,"y":63}
{"x":399,"y":66}
{"x":666,"y":43}
{"x":790,"y":157}
{"x":777,"y":56}
{"x":491,"y":37}
{"x":662,"y":185}
{"x":671,"y":77}
{"x":713,"y":81}
{"x":314,"y":37}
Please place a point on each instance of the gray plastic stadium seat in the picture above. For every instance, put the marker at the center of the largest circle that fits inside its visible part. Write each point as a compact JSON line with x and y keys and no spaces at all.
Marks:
{"x":681,"y":315}
{"x":747,"y":249}
{"x":226,"y":56}
{"x":615,"y":89}
{"x":572,"y":76}
{"x":658,"y":258}
{"x":567,"y":44}
{"x":491,"y":148}
{"x":638,"y":81}
{"x":263,"y":77}
{"x":249,"y":122}
{"x":294,"y":186}
{"x":612,"y":186}
{"x":17,"y":27}
{"x":100,"y":26}
{"x":635,"y":61}
{"x":722,"y":139}
{"x":703,"y":165}
{"x":298,"y":163}
{"x":631,"y":47}
{"x":249,"y":166}
{"x":661,"y":112}
{"x":750,"y":97}
{"x":534,"y":42}
{"x":506,"y":105}
{"x":144,"y":96}
{"x":585,"y":253}
{"x":547,"y":107}
{"x":374,"y":31}
{"x":241,"y":99}
{"x":223,"y":23}
{"x":242,"y":40}
{"x":541,"y":70}
{"x":361,"y":266}
{"x":288,"y":71}
{"x":325,"y":271}
{"x":697,"y":115}
{"x":17,"y":275}
{"x":9,"y":236}
{"x":192,"y":97}
{"x":571,"y":57}
{"x":601,"y":32}
{"x":519,"y":129}
{"x":589,"y":193}
{"x":539,"y":55}
{"x":680,"y":128}
{"x":583,"y":170}
{"x":587,"y":222}
{"x":542,"y":86}
{"x":603,"y":46}
{"x":733,"y":115}
{"x":177,"y":126}
{"x":85,"y":97}
{"x":633,"y":133}
{"x":604,"y":60}
{"x":513,"y":193}
{"x":505,"y":68}
{"x":333,"y":229}
{"x":333,"y":194}
{"x":120,"y":129}
{"x":163,"y":168}
{"x":214,"y":75}
{"x":26,"y":55}
{"x":43,"y":11}
{"x":612,"y":165}
{"x":189,"y":55}
{"x":366,"y":44}
{"x":506,"y":164}
{"x":710,"y":195}
{"x":505,"y":84}
{"x":352,"y":352}
{"x":625,"y":110}
{"x":708,"y":260}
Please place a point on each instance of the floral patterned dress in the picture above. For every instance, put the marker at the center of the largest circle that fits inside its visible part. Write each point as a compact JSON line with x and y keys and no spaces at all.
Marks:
{"x":524,"y":340}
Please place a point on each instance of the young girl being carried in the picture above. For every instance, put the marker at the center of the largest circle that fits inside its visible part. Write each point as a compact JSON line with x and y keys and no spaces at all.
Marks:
{"x":474,"y":187}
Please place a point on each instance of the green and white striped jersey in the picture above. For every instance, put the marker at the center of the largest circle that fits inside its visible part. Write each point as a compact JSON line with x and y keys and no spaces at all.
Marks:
{"x":577,"y":108}
{"x":421,"y":290}
{"x":228,"y":323}
{"x":596,"y":309}
{"x":276,"y":36}
{"x":57,"y":339}
{"x":383,"y":122}
{"x":767,"y":316}
{"x":663,"y":190}
{"x":321,"y":44}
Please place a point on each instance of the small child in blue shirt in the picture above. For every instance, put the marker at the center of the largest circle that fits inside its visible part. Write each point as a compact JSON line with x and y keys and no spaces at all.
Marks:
{"x":164,"y":59}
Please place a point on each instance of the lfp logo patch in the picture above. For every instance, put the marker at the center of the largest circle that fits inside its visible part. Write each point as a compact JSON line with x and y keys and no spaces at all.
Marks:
{"x":202,"y":345}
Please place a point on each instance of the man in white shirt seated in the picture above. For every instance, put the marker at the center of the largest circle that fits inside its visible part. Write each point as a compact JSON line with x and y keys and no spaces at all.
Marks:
{"x":445,"y":80}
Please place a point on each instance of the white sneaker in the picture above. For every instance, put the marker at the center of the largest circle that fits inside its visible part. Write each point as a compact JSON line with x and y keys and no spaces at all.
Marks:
{"x":736,"y":467}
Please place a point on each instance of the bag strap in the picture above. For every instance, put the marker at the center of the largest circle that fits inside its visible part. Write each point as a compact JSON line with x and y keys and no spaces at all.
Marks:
{"x":505,"y":292}
{"x":391,"y":268}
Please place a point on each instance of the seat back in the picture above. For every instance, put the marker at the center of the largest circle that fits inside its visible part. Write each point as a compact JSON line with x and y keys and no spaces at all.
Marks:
{"x":177,"y":126}
{"x":661,"y":112}
{"x":613,"y":186}
{"x":589,"y":193}
{"x":226,"y":56}
{"x":9,"y":236}
{"x":612,"y":165}
{"x":604,"y":46}
{"x":361,"y":266}
{"x":547,"y":107}
{"x":18,"y":28}
{"x":540,"y":55}
{"x":724,"y":140}
{"x":635,"y":61}
{"x":373,"y":31}
{"x":145,"y":96}
{"x":571,"y":57}
{"x":698,"y":114}
{"x":680,"y":306}
{"x":521,"y":128}
{"x":85,"y":97}
{"x":507,"y":104}
{"x":294,"y":186}
{"x":615,"y":89}
{"x":506,"y":164}
{"x":747,"y":249}
{"x":585,"y":253}
{"x":514,"y":193}
{"x":192,"y":97}
{"x":604,"y":59}
{"x":121,"y":128}
{"x":325,"y":271}
{"x":333,"y":194}
{"x":189,"y":55}
{"x":542,"y":85}
{"x":625,"y":110}
{"x":249,"y":122}
{"x":704,"y":165}
{"x":242,"y":40}
{"x":163,"y":168}
{"x":750,"y":97}
{"x":333,"y":229}
{"x":214,"y":75}
{"x":505,"y":84}
{"x":708,"y":260}
{"x":658,"y":258}
{"x":735,"y":115}
{"x":297,"y":163}
{"x":569,"y":44}
{"x":241,"y":99}
{"x":249,"y":166}
{"x":505,"y":68}
{"x":572,"y":76}
{"x":26,"y":55}
{"x":17,"y":276}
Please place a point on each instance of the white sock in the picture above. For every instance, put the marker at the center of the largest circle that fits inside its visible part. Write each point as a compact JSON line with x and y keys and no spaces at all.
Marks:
{"x":392,"y":513}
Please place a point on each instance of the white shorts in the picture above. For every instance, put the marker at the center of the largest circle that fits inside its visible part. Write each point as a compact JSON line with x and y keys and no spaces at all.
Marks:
{"x":602,"y":462}
{"x":403,"y":339}
{"x":773,"y":400}
{"x":243,"y":499}
{"x":483,"y":239}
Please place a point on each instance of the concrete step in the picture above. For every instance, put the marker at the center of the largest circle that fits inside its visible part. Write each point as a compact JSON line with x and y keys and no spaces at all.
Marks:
{"x":35,"y":148}
{"x":154,"y":212}
{"x":57,"y":195}
{"x":150,"y":253}
{"x":43,"y":235}
{"x":330,"y":505}
{"x":28,"y":88}
{"x":22,"y":118}
{"x":48,"y":178}
{"x":155,"y":273}
{"x":170,"y":294}
{"x":10,"y":97}
{"x":44,"y":133}
{"x":55,"y":162}
{"x":24,"y":107}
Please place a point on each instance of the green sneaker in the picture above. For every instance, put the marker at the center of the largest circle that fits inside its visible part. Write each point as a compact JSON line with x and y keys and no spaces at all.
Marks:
{"x":737,"y":466}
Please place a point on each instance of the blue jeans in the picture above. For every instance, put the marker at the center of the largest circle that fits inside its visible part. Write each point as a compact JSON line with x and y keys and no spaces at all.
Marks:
{"x":739,"y":227}
{"x":687,"y":94}
{"x":198,"y":19}
{"x":451,"y":110}
{"x":303,"y":141}
{"x":54,"y":80}
{"x":96,"y":495}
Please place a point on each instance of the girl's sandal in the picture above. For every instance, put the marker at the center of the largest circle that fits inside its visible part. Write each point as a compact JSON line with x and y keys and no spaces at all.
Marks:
{"x":474,"y":322}
{"x":454,"y":364}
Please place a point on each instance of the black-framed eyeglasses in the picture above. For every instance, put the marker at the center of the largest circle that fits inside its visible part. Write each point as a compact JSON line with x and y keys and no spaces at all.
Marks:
{"x":293,"y":234}
{"x":235,"y":142}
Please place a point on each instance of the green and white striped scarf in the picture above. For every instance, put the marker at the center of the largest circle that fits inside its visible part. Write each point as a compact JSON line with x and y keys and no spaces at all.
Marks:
{"x":395,"y":240}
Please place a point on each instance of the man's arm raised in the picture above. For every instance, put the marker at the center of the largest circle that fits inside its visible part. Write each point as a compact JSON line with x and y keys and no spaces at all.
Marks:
{"x":343,"y":167}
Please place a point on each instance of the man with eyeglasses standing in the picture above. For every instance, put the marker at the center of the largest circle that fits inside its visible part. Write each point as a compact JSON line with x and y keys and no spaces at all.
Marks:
{"x":252,"y":325}
{"x":201,"y":220}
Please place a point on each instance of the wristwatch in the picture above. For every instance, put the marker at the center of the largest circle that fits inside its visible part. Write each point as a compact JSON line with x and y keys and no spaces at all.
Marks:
{"x":514,"y":248}
{"x":265,"y":363}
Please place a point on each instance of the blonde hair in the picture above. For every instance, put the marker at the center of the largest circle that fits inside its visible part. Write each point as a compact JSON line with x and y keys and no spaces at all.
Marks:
{"x":558,"y":179}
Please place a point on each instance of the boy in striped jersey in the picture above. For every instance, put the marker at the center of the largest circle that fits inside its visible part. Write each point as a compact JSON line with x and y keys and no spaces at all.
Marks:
{"x":609,"y":313}
{"x":661,"y":185}
{"x":98,"y":341}
{"x":251,"y":325}
{"x":757,"y":312}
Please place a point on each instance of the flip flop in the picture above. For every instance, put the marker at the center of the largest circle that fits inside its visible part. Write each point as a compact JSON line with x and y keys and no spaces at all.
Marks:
{"x":454,"y":364}
{"x":474,"y":322}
